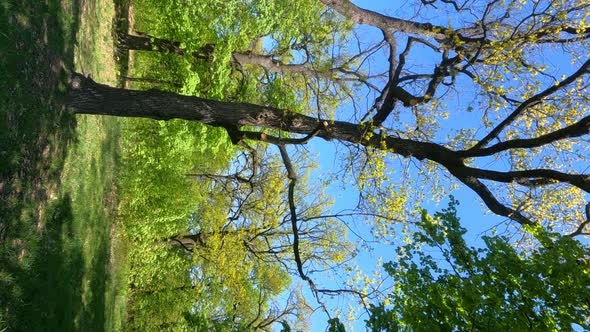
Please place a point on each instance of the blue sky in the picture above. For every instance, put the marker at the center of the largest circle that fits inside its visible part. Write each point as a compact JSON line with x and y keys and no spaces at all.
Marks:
{"x":473,"y":216}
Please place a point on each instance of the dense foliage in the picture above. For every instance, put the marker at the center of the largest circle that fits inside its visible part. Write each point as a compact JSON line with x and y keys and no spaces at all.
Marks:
{"x":494,"y":287}
{"x":175,"y":189}
{"x":157,"y":201}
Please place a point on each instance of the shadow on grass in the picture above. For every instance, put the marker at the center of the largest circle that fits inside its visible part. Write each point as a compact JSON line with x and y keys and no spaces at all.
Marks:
{"x":45,"y":290}
{"x":35,"y":127}
{"x":42,"y":263}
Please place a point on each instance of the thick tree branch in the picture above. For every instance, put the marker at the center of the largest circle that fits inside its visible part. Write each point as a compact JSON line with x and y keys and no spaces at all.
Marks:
{"x":583,"y":225}
{"x":577,"y":129}
{"x":384,"y":22}
{"x":393,"y":92}
{"x":444,"y":34}
{"x":549,"y":36}
{"x":268,"y":62}
{"x":491,"y":202}
{"x":581,"y":181}
{"x":384,"y":103}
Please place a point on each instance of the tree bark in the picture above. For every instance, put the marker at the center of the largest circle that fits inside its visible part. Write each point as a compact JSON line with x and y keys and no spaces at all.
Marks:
{"x":365,"y":16}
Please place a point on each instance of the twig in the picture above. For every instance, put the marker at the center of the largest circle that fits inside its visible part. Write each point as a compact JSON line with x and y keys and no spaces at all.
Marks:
{"x":580,"y":230}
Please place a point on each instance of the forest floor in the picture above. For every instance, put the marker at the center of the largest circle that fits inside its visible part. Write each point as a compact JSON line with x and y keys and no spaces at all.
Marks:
{"x":59,"y":258}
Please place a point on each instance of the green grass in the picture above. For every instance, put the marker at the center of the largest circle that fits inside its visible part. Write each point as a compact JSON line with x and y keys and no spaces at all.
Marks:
{"x":59,"y":269}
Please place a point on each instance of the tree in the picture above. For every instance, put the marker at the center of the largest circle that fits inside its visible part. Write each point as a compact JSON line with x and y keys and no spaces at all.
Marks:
{"x":488,"y":63}
{"x":233,"y":261}
{"x":270,"y":63}
{"x":220,"y":282}
{"x":89,"y":97}
{"x":496,"y":287}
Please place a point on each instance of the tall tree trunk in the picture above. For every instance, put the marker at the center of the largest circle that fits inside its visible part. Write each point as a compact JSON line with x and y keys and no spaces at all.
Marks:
{"x":89,"y":97}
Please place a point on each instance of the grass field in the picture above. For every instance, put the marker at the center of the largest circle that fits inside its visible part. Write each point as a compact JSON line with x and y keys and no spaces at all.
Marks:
{"x":59,"y":268}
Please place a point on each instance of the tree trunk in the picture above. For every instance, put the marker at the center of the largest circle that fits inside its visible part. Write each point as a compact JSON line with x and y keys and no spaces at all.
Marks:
{"x":144,"y":42}
{"x":89,"y":97}
{"x":187,"y":242}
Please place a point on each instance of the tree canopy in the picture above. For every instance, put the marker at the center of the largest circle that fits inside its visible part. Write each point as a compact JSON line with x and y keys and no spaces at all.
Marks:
{"x":496,"y":287}
{"x":418,"y":100}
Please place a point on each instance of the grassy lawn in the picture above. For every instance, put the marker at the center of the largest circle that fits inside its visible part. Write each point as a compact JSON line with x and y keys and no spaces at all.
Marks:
{"x":59,"y":260}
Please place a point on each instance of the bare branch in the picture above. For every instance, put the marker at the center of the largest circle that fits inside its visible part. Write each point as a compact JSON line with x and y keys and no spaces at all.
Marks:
{"x":580,"y":229}
{"x":454,"y":3}
{"x":235,"y":177}
{"x":292,"y":176}
{"x":491,"y":202}
{"x":581,"y":181}
{"x":534,"y":100}
{"x":577,"y":129}
{"x":259,"y":136}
